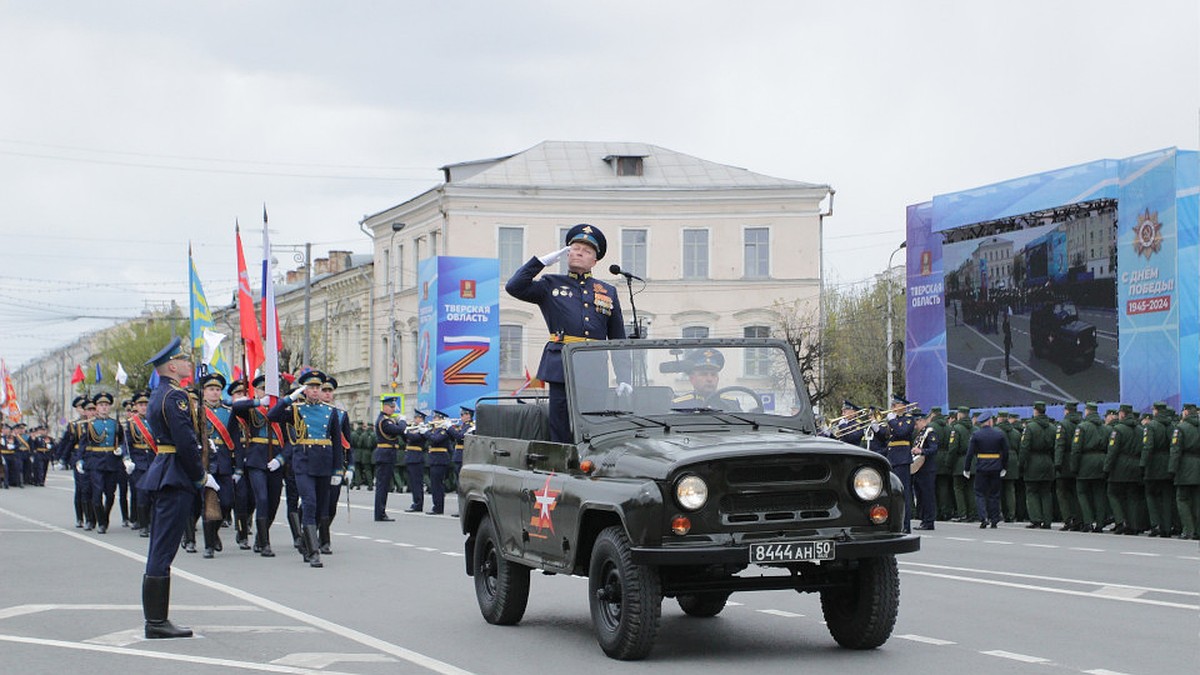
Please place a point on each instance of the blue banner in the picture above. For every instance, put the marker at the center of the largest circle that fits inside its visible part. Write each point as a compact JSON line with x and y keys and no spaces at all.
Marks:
{"x":925,"y":353}
{"x":1187,"y":216}
{"x":459,"y":333}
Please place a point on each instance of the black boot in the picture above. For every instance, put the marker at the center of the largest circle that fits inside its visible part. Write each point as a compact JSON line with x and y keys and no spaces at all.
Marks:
{"x":156,"y":600}
{"x":302,"y":545}
{"x":293,"y":519}
{"x":210,"y":534}
{"x":217,"y":537}
{"x":262,"y":535}
{"x":144,"y":509}
{"x":243,"y":538}
{"x":189,"y":537}
{"x":89,"y":516}
{"x":78,"y":510}
{"x":323,"y":534}
{"x":313,"y":543}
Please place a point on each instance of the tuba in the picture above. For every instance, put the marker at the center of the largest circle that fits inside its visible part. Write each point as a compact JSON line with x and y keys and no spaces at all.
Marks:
{"x":918,"y":461}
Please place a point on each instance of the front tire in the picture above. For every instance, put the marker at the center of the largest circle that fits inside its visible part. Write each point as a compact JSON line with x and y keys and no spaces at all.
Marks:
{"x":501,"y":587}
{"x":702,"y":605}
{"x":862,"y":615}
{"x":625,"y":598}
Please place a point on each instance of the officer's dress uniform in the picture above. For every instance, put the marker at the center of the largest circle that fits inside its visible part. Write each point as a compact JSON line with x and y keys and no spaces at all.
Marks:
{"x":343,"y":468}
{"x":441,"y":444}
{"x":65,"y":452}
{"x":988,"y":450}
{"x":1184,"y":465}
{"x":459,"y":432}
{"x":576,"y":308}
{"x":1160,"y":488}
{"x":1037,"y":468}
{"x":924,"y":481}
{"x":1126,"y":496}
{"x":42,"y":450}
{"x":12,"y":461}
{"x":898,"y":433}
{"x":142,"y":455}
{"x":24,"y":456}
{"x":225,"y":445}
{"x":389,"y":432}
{"x":415,"y":439}
{"x":263,"y":444}
{"x":1087,"y":459}
{"x":102,"y":461}
{"x":317,"y":432}
{"x":1065,"y":479}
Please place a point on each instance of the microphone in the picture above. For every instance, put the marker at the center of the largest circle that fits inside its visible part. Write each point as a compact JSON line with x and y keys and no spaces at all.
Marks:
{"x":616,"y":269}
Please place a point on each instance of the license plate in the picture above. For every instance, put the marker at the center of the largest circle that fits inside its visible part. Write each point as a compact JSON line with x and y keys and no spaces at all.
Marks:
{"x":792,"y":551}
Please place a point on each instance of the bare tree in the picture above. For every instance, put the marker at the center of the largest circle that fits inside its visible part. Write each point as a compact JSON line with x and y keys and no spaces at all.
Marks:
{"x":43,"y":407}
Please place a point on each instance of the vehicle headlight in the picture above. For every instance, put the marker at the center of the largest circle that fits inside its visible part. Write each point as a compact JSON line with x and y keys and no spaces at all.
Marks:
{"x":868,"y":483}
{"x":691,"y":492}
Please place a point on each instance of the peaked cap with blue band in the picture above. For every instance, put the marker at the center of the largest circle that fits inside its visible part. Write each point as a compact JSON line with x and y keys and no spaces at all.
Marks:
{"x":590,"y":235}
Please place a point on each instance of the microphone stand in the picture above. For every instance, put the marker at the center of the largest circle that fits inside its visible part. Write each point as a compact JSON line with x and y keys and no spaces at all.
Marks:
{"x":637,"y":325}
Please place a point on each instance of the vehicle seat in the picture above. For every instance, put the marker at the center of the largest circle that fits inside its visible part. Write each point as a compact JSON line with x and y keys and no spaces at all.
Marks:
{"x":529,"y":421}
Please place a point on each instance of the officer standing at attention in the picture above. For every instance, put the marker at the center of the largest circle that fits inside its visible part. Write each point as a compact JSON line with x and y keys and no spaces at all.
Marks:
{"x":317,"y":432}
{"x":577,"y":307}
{"x":899,"y":432}
{"x":960,"y":436}
{"x":64,"y":452}
{"x":263,"y":464}
{"x":243,"y":496}
{"x":943,"y":481}
{"x":1064,"y":482}
{"x":416,"y":435}
{"x":988,"y":449}
{"x":389,"y":428}
{"x":1121,"y":463}
{"x":923,"y":479}
{"x":173,"y":480}
{"x":142,"y":455}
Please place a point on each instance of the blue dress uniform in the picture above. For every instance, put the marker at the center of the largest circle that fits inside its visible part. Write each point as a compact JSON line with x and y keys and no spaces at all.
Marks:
{"x":441,"y":444}
{"x":898,"y":432}
{"x":243,"y":495}
{"x":317,"y":432}
{"x":101,"y":456}
{"x":224,"y":446}
{"x":64,"y":453}
{"x":924,"y":481}
{"x":141,"y":454}
{"x":263,"y":462}
{"x":389,"y":432}
{"x":577,"y":308}
{"x":988,"y":448}
{"x":343,"y":466}
{"x":12,"y":461}
{"x":416,"y":435}
{"x":851,"y":427}
{"x":464,"y":426}
{"x":24,"y":453}
{"x":42,"y":450}
{"x":173,"y":481}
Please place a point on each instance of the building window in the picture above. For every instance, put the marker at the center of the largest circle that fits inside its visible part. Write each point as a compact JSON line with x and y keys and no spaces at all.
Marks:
{"x":433,"y":243}
{"x":695,"y":254}
{"x":757,"y":252}
{"x":633,"y":252}
{"x":399,"y":265}
{"x":758,"y":361}
{"x":626,"y":165}
{"x":691,"y":332}
{"x":387,"y":270}
{"x":510,"y":351}
{"x":510,"y":250}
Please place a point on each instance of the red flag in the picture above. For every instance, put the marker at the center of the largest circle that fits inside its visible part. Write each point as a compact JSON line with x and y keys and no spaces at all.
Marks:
{"x":78,"y":376}
{"x":251,"y":338}
{"x":530,"y":383}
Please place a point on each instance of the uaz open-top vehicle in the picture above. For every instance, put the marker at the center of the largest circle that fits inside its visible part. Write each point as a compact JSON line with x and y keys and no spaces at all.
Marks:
{"x":692,"y":496}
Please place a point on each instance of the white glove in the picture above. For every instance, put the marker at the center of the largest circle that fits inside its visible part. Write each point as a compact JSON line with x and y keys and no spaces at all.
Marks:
{"x":119,"y":451}
{"x":79,"y":466}
{"x":1003,"y":473}
{"x":274,"y":464}
{"x":210,"y":482}
{"x":349,"y":476}
{"x":624,"y":389}
{"x":295,"y":395}
{"x":335,"y":479}
{"x":265,"y":401}
{"x":967,"y":475}
{"x":129,"y":466}
{"x":236,"y":477}
{"x":551,"y":258}
{"x":212,"y":445}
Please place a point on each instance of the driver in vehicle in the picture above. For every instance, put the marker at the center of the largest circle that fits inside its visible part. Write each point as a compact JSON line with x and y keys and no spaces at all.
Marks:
{"x":704,"y":373}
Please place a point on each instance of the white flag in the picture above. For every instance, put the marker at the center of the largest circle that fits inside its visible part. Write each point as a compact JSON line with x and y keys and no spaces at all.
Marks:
{"x":121,"y":374}
{"x":212,"y":340}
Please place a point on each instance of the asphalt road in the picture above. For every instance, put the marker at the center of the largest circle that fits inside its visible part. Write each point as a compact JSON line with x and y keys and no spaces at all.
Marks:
{"x":977,"y":377}
{"x":394,"y":599}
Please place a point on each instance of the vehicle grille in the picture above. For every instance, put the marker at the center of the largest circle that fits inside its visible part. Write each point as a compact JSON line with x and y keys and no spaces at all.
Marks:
{"x":778,"y":506}
{"x":776,"y":473}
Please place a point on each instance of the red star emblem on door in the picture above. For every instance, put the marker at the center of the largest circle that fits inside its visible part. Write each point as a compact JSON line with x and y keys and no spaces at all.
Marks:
{"x":544,"y":502}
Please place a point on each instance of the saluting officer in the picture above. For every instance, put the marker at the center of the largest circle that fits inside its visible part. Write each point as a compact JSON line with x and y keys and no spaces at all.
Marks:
{"x":173,"y":480}
{"x":389,"y":430}
{"x":899,"y":431}
{"x":988,"y":451}
{"x":416,"y":435}
{"x":264,"y":458}
{"x":576,"y":307}
{"x":317,"y":432}
{"x":101,"y":458}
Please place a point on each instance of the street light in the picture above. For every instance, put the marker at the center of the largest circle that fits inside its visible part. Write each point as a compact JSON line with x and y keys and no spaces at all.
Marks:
{"x":890,"y":361}
{"x":396,"y":227}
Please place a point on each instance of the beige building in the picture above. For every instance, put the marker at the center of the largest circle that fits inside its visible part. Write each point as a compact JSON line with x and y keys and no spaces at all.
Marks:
{"x":717,"y":245}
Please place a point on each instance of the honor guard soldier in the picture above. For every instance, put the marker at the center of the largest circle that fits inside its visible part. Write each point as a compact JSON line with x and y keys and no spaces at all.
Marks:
{"x":849,"y":428}
{"x":899,"y":432}
{"x":1037,"y":467}
{"x":101,"y":458}
{"x":243,"y":495}
{"x":343,"y":471}
{"x":416,"y":435}
{"x":224,"y":446}
{"x":174,"y":479}
{"x":141,"y":453}
{"x":704,"y":374}
{"x":264,"y":464}
{"x":460,"y":430}
{"x":441,"y":444}
{"x":389,"y":432}
{"x":1064,"y":481}
{"x":42,"y":450}
{"x":12,"y":462}
{"x":1156,"y":453}
{"x":577,"y":307}
{"x":64,"y":452}
{"x":988,"y":452}
{"x":924,"y":478}
{"x":1088,"y":447}
{"x":960,"y":437}
{"x":122,"y":477}
{"x":1184,"y":465}
{"x":24,"y":453}
{"x":317,"y":432}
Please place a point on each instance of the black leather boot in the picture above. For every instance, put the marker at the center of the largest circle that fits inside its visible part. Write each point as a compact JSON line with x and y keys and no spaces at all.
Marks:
{"x":293,"y":519}
{"x":323,"y":534}
{"x":189,"y":537}
{"x":210,"y":534}
{"x":156,"y":600}
{"x":313,"y":544}
{"x":262,"y":534}
{"x":89,"y":516}
{"x":243,"y":533}
{"x":144,"y":509}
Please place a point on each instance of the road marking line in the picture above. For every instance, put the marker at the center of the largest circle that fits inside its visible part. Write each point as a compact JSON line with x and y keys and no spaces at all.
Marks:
{"x":731,"y":603}
{"x":24,"y":531}
{"x":1104,"y":671}
{"x":319,"y":660}
{"x":1116,"y":592}
{"x":1140,"y":553}
{"x":1046,"y":589}
{"x":405,"y":545}
{"x":997,"y":541}
{"x":960,"y":538}
{"x":1188,"y":557}
{"x":926,"y":640}
{"x":370,"y":641}
{"x":452,"y":554}
{"x":1041,"y":545}
{"x":1038,"y":577}
{"x":427,"y":549}
{"x":780,"y":612}
{"x":1023,"y":658}
{"x":360,"y":536}
{"x":383,"y":541}
{"x":124,"y":638}
{"x":1090,"y":550}
{"x":22,"y":610}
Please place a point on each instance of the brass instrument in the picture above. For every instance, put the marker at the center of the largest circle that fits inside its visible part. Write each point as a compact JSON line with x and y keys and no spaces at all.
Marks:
{"x":919,"y":460}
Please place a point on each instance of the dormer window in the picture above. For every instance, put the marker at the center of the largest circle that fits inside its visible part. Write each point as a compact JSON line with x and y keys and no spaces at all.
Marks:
{"x":626,"y":165}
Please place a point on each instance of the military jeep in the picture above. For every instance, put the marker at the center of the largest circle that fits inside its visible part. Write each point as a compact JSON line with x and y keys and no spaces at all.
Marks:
{"x":1056,"y":333}
{"x":661,"y":494}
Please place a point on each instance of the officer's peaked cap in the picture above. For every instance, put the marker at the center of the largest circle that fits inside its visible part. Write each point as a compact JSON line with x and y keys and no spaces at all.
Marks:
{"x":590,"y":235}
{"x":705,"y":358}
{"x":174,"y":349}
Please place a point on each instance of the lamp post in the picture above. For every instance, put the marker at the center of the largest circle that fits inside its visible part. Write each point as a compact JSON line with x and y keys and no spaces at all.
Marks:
{"x":887,"y":397}
{"x":303,"y":257}
{"x":396,"y":227}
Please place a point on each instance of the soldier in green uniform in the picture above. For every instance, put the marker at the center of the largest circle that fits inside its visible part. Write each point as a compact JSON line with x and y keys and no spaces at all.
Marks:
{"x":960,"y":436}
{"x":944,"y":464}
{"x":1012,"y":468}
{"x":1037,"y":467}
{"x":1088,"y":445}
{"x":1184,"y":465}
{"x":1064,"y":482}
{"x":1160,"y":489}
{"x":363,"y":457}
{"x":1122,"y":464}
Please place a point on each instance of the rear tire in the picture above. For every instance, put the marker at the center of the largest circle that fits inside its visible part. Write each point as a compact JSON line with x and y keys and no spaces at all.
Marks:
{"x":862,"y":615}
{"x":501,"y":587}
{"x":702,"y":605}
{"x":625,"y":598}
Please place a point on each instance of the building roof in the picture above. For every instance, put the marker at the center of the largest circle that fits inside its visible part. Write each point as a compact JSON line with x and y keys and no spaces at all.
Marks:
{"x":591,"y":165}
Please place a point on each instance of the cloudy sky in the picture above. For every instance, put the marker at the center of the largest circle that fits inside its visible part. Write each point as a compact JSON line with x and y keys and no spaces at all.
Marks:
{"x":129,"y":128}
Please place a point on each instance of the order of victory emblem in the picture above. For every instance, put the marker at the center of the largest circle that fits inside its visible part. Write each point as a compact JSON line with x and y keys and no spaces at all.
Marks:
{"x":1147,"y":235}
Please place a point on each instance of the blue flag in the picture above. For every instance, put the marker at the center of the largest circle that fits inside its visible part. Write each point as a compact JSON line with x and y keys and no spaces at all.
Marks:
{"x":202,"y":323}
{"x":153,"y":379}
{"x":99,"y":375}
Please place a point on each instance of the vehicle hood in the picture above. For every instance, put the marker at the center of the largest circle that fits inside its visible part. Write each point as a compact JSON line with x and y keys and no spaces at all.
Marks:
{"x":657,"y":457}
{"x":1077,"y":328}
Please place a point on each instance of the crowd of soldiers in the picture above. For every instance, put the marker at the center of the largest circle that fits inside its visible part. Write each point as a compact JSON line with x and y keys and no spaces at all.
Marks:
{"x":25,"y":455}
{"x":1125,"y":472}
